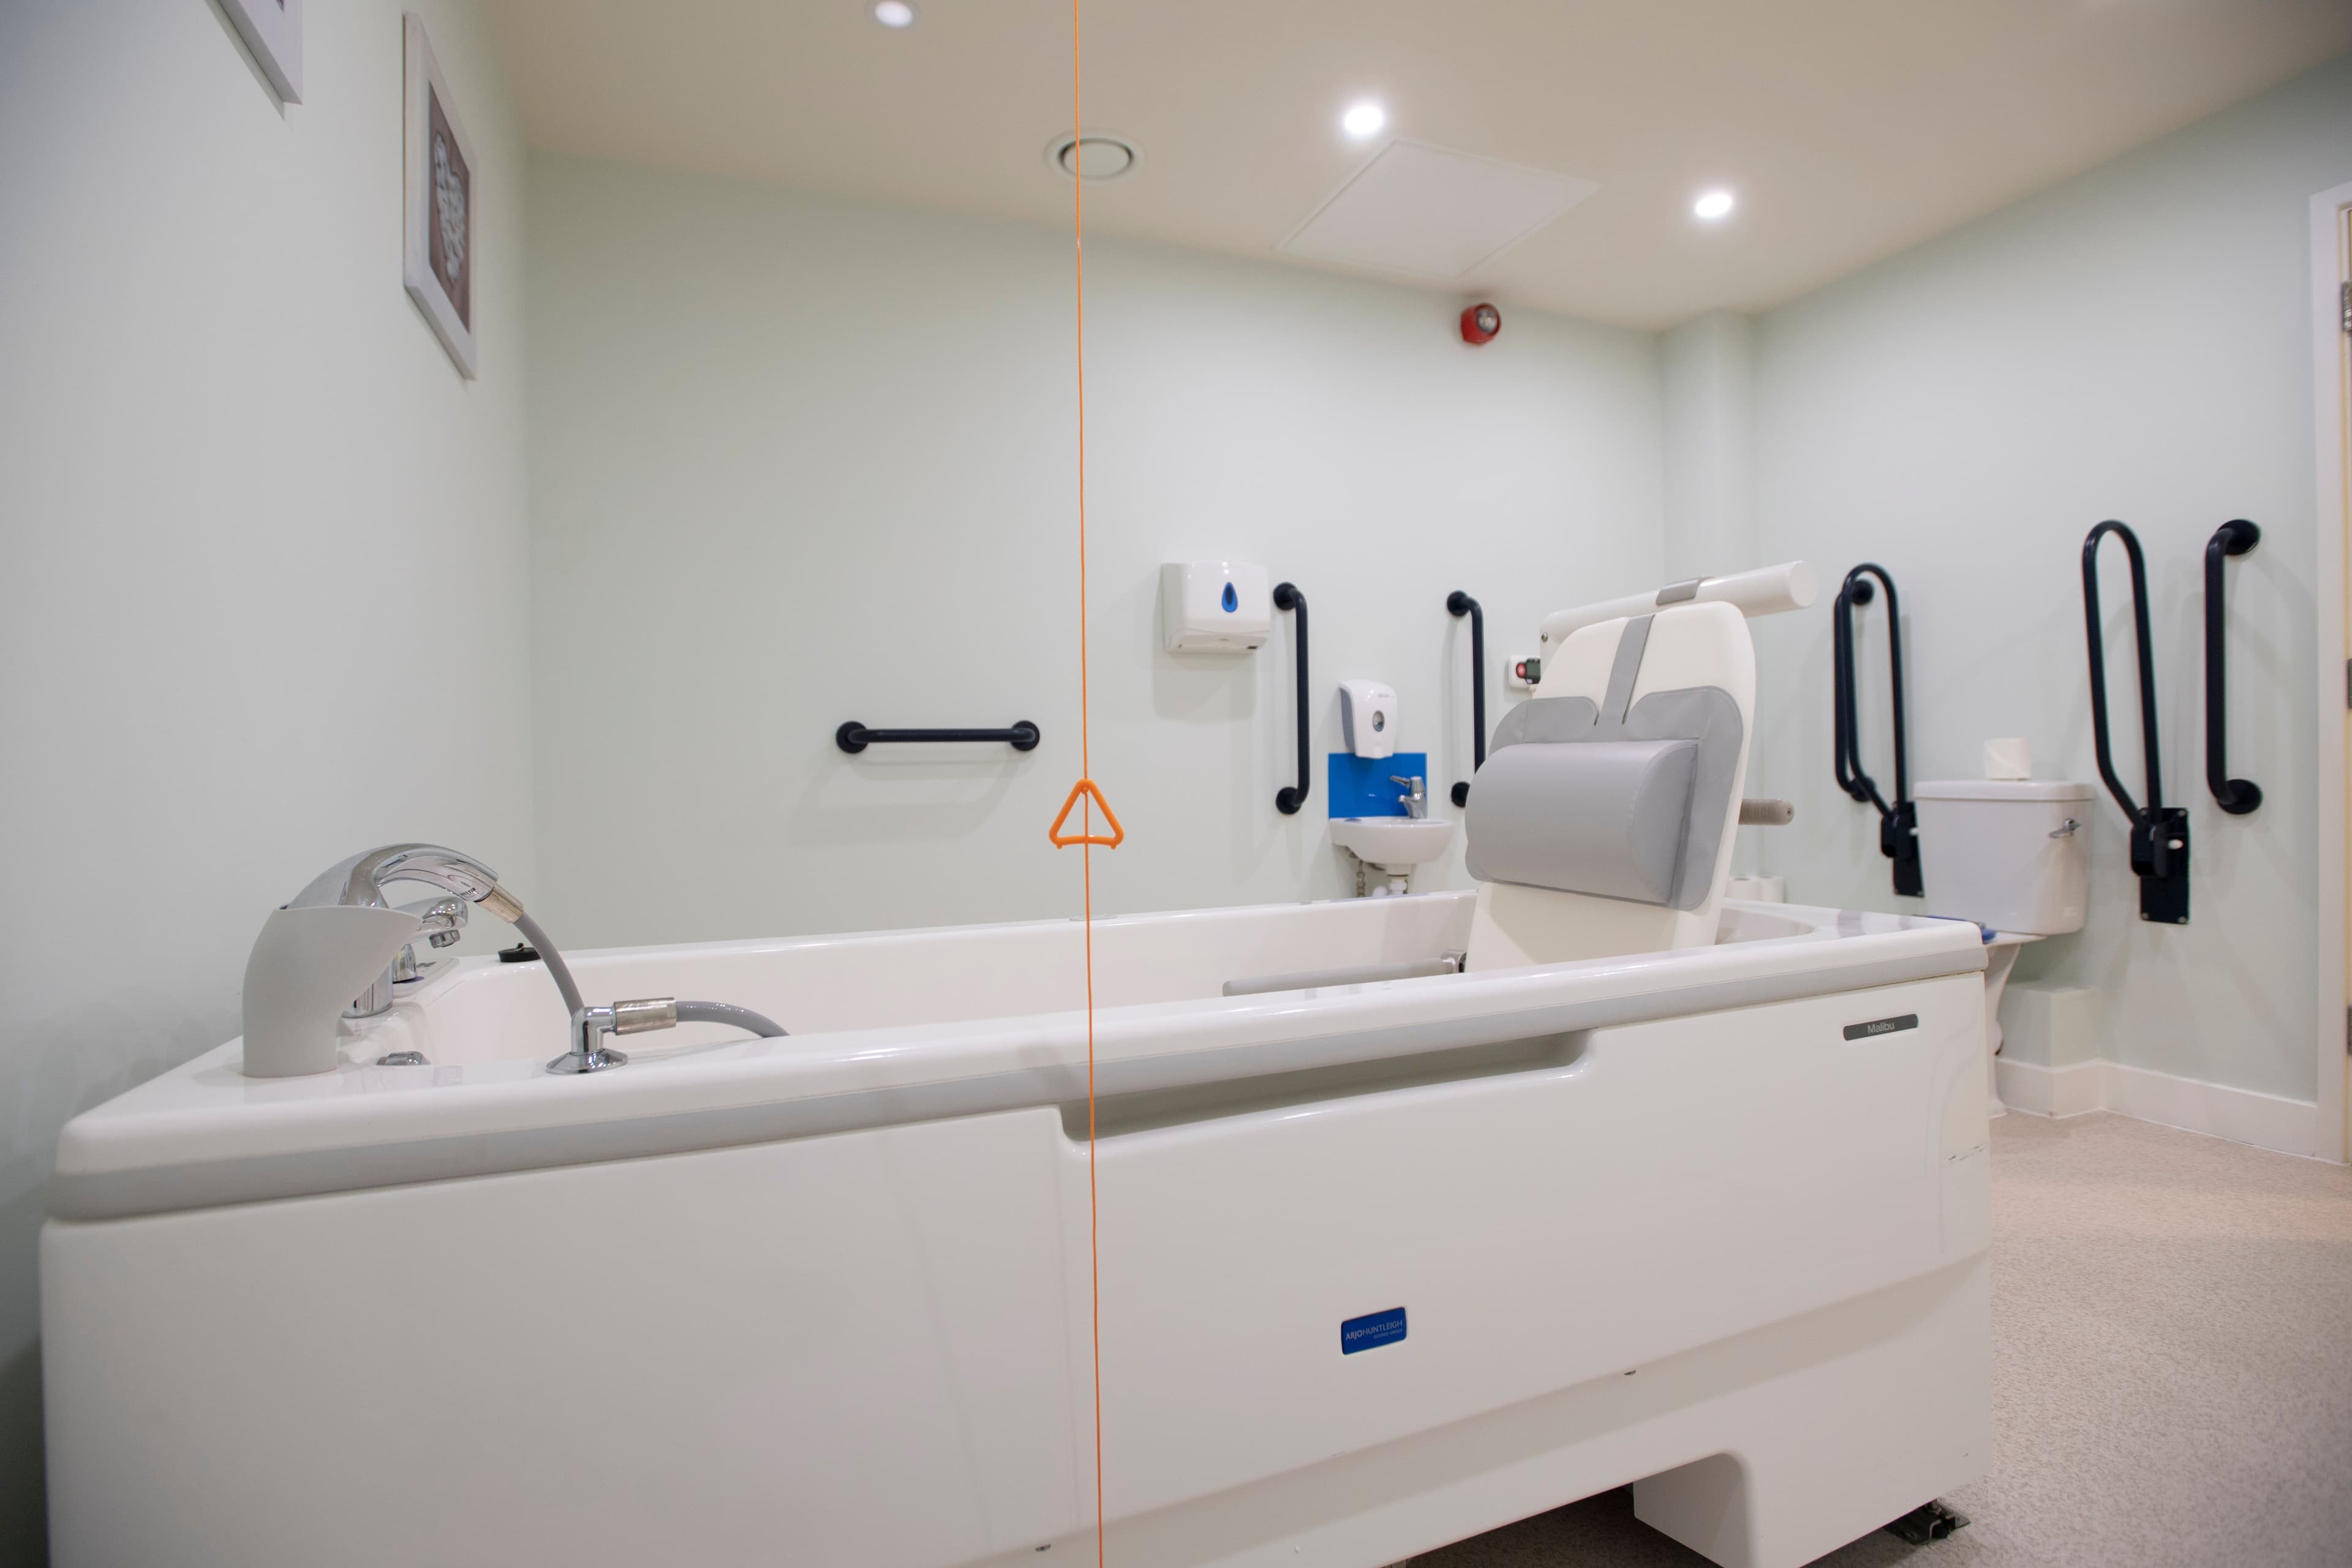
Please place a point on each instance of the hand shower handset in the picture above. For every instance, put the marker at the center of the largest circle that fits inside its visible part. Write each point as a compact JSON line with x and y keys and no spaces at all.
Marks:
{"x":316,"y":952}
{"x":1898,"y":819}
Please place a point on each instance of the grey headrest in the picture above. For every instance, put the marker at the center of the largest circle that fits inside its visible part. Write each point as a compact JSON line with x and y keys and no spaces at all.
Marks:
{"x":1618,"y":799}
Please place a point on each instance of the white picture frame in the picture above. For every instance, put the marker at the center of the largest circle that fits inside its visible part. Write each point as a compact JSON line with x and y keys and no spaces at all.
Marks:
{"x":437,"y":188}
{"x":272,"y":31}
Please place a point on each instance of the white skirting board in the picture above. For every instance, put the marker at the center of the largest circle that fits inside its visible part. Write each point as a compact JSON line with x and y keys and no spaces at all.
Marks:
{"x":2241,"y":1115}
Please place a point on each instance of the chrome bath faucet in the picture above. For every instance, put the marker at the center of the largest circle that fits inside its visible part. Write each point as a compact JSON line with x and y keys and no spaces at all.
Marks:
{"x":463,"y":881}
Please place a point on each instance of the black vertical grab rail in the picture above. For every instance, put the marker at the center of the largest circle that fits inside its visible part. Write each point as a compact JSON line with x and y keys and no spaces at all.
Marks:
{"x":2159,"y":833}
{"x":1898,"y":819}
{"x":2236,"y":796}
{"x":1286,"y":596}
{"x":1460,"y":603}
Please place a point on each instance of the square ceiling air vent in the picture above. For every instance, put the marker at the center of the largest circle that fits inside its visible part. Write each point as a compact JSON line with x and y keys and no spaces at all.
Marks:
{"x":1433,"y":212}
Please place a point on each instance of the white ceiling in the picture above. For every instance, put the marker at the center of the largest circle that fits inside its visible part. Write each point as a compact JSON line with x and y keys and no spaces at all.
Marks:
{"x":1850,"y":129}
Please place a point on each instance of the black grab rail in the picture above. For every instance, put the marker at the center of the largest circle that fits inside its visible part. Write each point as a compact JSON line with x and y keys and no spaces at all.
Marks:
{"x":2159,"y":833}
{"x":1898,"y":819}
{"x":854,"y":737}
{"x":2236,"y":796}
{"x":1286,"y":596}
{"x":1458,"y":604}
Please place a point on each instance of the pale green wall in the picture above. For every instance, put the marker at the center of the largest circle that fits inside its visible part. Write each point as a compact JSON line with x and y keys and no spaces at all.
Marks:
{"x":796,"y":461}
{"x":2136,"y":342}
{"x":264,"y":553}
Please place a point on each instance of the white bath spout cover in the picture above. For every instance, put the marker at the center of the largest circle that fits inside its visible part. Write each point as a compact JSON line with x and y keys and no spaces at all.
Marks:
{"x":305,"y":968}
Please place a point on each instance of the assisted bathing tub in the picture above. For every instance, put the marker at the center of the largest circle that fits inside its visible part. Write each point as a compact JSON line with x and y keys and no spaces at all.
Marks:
{"x":1656,"y":1189}
{"x":1383,"y":1264}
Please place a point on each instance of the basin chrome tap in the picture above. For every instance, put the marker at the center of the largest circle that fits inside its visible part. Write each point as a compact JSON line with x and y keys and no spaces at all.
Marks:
{"x":1416,"y":801}
{"x":359,"y":881}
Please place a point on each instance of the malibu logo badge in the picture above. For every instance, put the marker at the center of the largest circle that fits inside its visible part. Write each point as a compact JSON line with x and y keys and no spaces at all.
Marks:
{"x":1371,"y":1329}
{"x":1878,"y":1026}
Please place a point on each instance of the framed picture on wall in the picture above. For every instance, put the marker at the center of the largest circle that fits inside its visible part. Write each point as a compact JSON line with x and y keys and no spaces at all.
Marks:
{"x":438,"y":254}
{"x":272,"y":31}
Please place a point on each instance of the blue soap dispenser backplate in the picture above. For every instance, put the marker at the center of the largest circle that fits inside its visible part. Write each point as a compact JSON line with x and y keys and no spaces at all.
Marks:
{"x":1360,"y":786}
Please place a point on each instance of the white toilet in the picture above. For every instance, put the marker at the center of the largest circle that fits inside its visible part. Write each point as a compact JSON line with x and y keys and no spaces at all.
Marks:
{"x":2012,"y":854}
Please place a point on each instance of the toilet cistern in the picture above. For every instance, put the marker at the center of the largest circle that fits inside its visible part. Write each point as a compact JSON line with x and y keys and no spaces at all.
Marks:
{"x":2010,"y":855}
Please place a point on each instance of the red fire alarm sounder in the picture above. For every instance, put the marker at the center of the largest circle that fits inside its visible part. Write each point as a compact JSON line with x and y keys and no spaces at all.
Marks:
{"x":1480,"y":323}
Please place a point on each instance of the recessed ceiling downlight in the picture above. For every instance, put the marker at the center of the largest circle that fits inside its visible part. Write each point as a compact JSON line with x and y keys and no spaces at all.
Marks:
{"x":894,"y":13}
{"x":1363,"y":120}
{"x":1713,"y":205}
{"x":1092,"y":155}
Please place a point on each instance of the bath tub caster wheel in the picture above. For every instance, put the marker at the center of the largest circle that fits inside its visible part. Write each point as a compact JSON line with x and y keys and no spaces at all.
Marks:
{"x":1928,"y":1521}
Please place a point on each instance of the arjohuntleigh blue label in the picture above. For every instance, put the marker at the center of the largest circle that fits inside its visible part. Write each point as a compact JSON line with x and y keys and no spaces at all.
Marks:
{"x":1371,"y":1328}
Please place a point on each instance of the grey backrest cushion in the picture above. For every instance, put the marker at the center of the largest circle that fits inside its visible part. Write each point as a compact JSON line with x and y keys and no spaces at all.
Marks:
{"x":1607,"y":818}
{"x":1616,"y":799}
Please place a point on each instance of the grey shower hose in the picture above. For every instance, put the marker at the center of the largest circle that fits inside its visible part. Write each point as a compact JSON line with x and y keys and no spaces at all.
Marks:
{"x":688,"y":1012}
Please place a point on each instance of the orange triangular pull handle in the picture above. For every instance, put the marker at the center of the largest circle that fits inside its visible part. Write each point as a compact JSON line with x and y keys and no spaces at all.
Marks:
{"x":1086,"y":787}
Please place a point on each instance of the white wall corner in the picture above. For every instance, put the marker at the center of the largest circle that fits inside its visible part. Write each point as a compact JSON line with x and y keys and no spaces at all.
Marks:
{"x":2041,"y":1091}
{"x":2050,"y":1025}
{"x":2331,"y":268}
{"x":1710,"y":383}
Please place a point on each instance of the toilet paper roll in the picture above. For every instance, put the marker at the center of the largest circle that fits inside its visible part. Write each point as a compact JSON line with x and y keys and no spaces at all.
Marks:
{"x":2009,"y":759}
{"x":1758,"y":889}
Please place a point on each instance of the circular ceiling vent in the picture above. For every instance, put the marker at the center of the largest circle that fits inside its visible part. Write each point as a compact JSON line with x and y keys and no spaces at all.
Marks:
{"x":1092,"y":155}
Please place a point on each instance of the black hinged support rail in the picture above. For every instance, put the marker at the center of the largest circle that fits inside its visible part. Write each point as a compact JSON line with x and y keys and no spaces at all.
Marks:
{"x":2236,"y":796}
{"x":854,"y":737}
{"x":1898,"y":819}
{"x":1459,"y":604}
{"x":1286,"y":596}
{"x":2159,"y":833}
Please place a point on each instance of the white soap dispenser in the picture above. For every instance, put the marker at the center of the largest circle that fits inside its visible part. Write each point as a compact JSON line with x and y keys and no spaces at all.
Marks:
{"x":1367,"y":717}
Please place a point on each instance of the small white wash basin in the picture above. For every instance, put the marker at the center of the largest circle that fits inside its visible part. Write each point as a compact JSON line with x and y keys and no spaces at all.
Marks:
{"x":1394,"y":840}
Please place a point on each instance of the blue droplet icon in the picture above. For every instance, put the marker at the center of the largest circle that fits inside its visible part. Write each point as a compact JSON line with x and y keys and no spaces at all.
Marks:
{"x":1232,"y":600}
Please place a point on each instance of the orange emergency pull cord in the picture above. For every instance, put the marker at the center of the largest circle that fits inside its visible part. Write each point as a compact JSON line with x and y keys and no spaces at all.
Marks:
{"x":1086,"y":795}
{"x":1086,"y":790}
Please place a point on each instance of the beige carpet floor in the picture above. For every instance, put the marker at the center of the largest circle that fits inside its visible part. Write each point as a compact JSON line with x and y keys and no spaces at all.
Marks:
{"x":2172,"y":1370}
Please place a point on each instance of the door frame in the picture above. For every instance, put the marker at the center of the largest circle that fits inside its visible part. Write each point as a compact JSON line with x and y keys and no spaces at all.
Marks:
{"x":2331,"y":266}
